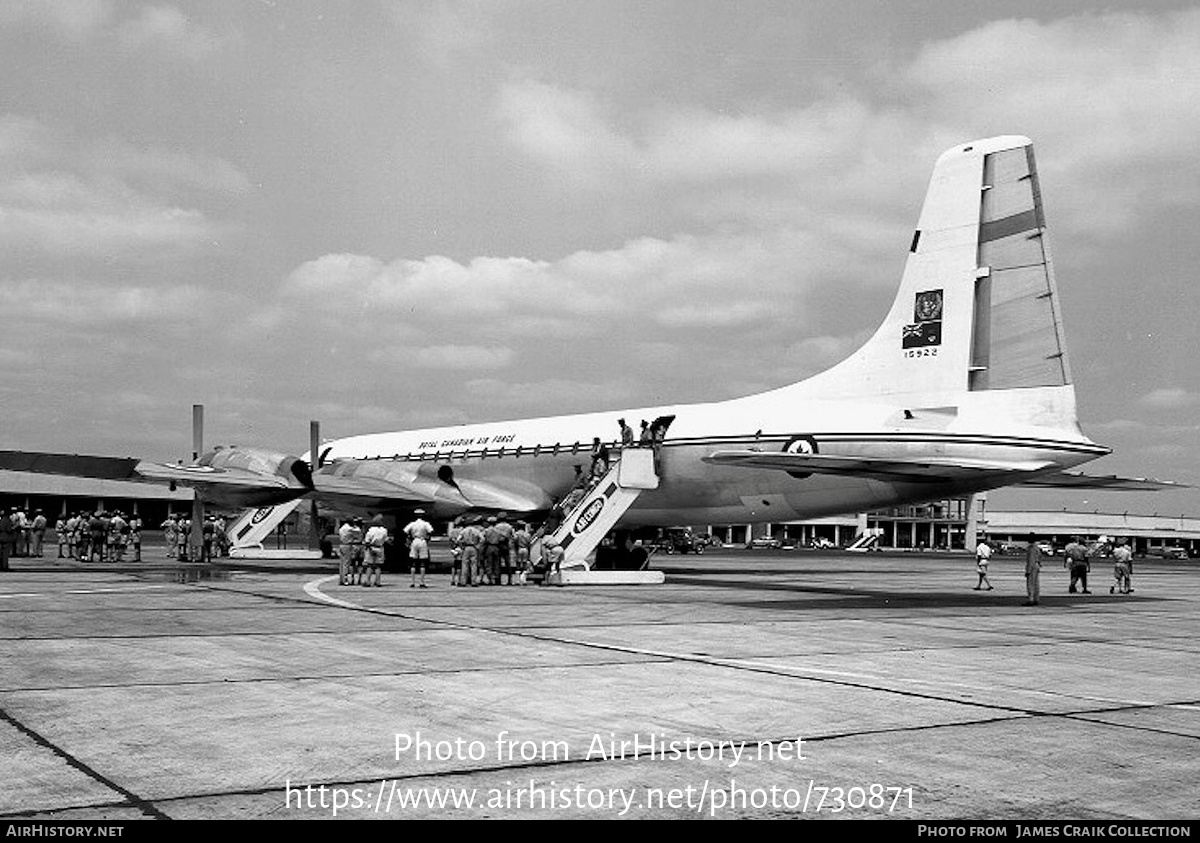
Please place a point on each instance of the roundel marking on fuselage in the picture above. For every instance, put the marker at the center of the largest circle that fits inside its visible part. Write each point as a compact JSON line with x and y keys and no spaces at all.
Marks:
{"x":801,"y":445}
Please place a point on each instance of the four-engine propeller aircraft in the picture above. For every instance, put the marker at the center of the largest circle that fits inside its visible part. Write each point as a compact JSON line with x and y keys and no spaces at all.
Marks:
{"x":964,"y":387}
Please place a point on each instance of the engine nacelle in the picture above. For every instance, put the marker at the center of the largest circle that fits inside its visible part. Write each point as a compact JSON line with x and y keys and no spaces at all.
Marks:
{"x":242,"y":477}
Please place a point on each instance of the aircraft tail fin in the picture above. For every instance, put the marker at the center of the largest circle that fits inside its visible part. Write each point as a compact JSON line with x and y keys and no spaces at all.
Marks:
{"x":977,"y":307}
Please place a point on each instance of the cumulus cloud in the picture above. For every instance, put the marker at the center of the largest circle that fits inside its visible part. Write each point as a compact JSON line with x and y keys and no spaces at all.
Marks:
{"x":74,"y":20}
{"x":448,"y":357}
{"x":1169,"y":398}
{"x":161,"y":28}
{"x":166,"y":29}
{"x":1090,"y":87}
{"x":58,"y":303}
{"x":62,"y":195}
{"x":1086,"y":87}
{"x":566,"y":128}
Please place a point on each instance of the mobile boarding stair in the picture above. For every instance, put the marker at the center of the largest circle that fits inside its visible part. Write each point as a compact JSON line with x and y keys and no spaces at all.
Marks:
{"x":868,"y":541}
{"x":250,"y":530}
{"x":589,"y":521}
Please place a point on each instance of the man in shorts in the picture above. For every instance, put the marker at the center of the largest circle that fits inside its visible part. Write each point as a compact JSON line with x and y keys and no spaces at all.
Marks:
{"x":983,"y":554}
{"x":1122,"y":568}
{"x":417,"y":533}
{"x":373,"y":544}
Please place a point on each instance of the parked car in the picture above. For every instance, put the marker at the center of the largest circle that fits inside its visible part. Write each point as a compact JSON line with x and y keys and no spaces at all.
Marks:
{"x":821,"y":543}
{"x":769,"y":542}
{"x":681,"y":540}
{"x":1167,"y":552}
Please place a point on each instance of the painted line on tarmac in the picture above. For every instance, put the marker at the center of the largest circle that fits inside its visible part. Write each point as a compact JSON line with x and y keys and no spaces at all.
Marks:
{"x":313,"y":589}
{"x":128,"y":590}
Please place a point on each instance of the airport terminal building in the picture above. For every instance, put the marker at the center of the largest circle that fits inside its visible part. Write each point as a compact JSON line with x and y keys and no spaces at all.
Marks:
{"x":953,"y":525}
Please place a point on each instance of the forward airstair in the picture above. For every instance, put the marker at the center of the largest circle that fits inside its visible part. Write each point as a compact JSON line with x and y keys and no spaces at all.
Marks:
{"x":598,"y":511}
{"x":248,"y":532}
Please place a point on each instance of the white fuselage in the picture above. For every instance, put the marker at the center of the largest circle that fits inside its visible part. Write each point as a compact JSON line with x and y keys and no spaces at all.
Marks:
{"x":534,"y":462}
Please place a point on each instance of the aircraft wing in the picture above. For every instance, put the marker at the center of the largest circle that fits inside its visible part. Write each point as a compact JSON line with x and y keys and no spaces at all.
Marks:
{"x":876,"y":468}
{"x":384,"y":484}
{"x":74,"y":465}
{"x":1079,"y":480}
{"x":237,"y":477}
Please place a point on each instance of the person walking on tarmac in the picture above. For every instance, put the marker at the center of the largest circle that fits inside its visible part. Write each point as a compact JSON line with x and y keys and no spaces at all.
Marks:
{"x":1076,"y":558}
{"x":1122,"y":567}
{"x":417,"y":533}
{"x":983,"y":554}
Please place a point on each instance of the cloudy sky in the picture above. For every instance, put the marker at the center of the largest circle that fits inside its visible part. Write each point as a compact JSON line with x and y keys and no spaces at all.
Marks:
{"x":395,"y":214}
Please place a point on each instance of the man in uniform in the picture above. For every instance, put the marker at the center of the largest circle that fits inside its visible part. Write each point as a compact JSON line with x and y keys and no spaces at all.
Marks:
{"x":346,"y":552}
{"x":454,"y":534}
{"x":63,"y":535}
{"x":1033,"y":570}
{"x":552,"y":555}
{"x":135,"y":536}
{"x":24,"y":537}
{"x":38,"y":528}
{"x":507,"y":548}
{"x":73,"y":533}
{"x":116,"y":524}
{"x":1122,"y":567}
{"x":417,"y":533}
{"x":626,"y":434}
{"x":170,"y":529}
{"x":7,"y":539}
{"x":98,"y":535}
{"x":491,"y":552}
{"x":373,"y":544}
{"x":1076,"y":558}
{"x":470,"y":538}
{"x":522,"y":540}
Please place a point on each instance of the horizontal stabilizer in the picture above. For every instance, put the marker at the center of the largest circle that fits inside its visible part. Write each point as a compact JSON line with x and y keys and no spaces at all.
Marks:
{"x":875,"y":468}
{"x":1078,"y":480}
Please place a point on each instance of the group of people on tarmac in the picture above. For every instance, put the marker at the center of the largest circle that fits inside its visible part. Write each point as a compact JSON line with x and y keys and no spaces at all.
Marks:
{"x":20,"y":535}
{"x":484,"y":551}
{"x":214,"y":541}
{"x":1077,"y":558}
{"x":102,"y":536}
{"x":361,"y":552}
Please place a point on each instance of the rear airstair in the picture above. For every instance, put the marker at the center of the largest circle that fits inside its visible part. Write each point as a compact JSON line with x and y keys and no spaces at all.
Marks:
{"x":867,"y":541}
{"x":590,"y":520}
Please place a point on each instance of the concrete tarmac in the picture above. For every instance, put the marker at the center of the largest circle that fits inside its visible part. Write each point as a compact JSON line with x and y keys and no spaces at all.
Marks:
{"x":752,"y":684}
